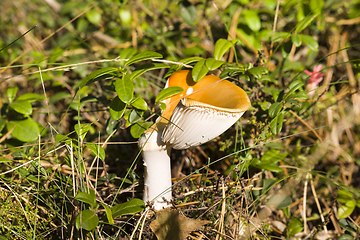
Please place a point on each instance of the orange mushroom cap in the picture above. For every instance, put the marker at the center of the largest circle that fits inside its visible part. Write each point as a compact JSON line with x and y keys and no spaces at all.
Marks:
{"x":210,"y":90}
{"x":204,"y":110}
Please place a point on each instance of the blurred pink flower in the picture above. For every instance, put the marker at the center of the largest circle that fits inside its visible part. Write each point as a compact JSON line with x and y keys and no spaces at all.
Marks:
{"x":316,"y":76}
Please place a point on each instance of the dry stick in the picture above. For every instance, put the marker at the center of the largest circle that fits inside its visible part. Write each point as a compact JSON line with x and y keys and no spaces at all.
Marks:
{"x":351,"y":76}
{"x":317,"y":203}
{"x":222,"y":214}
{"x":306,"y":124}
{"x":138,"y":223}
{"x":221,"y":234}
{"x":274,"y":27}
{"x":72,"y":167}
{"x":143,"y":223}
{"x":7,"y":134}
{"x":232,"y":32}
{"x":333,"y":218}
{"x":49,"y":36}
{"x":352,"y":21}
{"x":306,"y":229}
{"x":334,"y":47}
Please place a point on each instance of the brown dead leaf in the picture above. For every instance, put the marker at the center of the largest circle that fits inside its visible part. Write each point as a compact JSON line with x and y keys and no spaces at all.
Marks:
{"x":171,"y":225}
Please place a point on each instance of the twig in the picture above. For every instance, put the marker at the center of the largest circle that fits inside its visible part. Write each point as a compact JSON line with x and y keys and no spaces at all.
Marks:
{"x":317,"y":203}
{"x":306,"y":229}
{"x":138,"y":223}
{"x":306,"y":124}
{"x":274,"y":27}
{"x":222,"y":214}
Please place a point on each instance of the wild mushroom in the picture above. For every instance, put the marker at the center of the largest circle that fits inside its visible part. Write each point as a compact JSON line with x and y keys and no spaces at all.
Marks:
{"x":203,"y":111}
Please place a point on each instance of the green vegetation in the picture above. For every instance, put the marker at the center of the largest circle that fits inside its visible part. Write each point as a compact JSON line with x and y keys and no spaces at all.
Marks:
{"x":81,"y":81}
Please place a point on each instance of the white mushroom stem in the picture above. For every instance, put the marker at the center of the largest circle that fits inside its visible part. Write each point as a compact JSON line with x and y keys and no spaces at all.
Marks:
{"x":157,"y":170}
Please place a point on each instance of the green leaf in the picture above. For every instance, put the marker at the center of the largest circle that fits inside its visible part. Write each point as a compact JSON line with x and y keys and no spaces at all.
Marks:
{"x":295,"y":85}
{"x":258,"y":71}
{"x":111,"y":125}
{"x":26,"y":130}
{"x":348,"y":225}
{"x":27,"y":175}
{"x":305,"y":22}
{"x":190,"y":60}
{"x":296,"y":39}
{"x":140,"y":103}
{"x":124,"y":88}
{"x":252,"y":20}
{"x":277,"y":123}
{"x":87,"y":220}
{"x":213,"y":64}
{"x":286,"y":49}
{"x":135,"y":115}
{"x":89,"y":198}
{"x":97,"y":150}
{"x":358,"y":203}
{"x":281,"y":36}
{"x":162,"y":106}
{"x":294,"y":226}
{"x":345,"y":237}
{"x":21,"y":106}
{"x":168,"y":92}
{"x":108,"y":214}
{"x":94,"y":16}
{"x":273,"y":156}
{"x":98,"y":75}
{"x":61,"y":138}
{"x":139,"y":128}
{"x":221,"y":46}
{"x":272,"y":167}
{"x":146,"y":67}
{"x":310,"y":42}
{"x":343,"y":196}
{"x":59,"y":96}
{"x":188,"y":13}
{"x":11,"y":93}
{"x":142,"y":57}
{"x":317,"y":6}
{"x":300,"y":95}
{"x":117,"y":108}
{"x":199,"y":70}
{"x":133,"y":206}
{"x":268,"y":184}
{"x":279,"y":201}
{"x":31,"y":97}
{"x":346,"y":210}
{"x":274,"y":109}
{"x":2,"y":123}
{"x":127,"y":53}
{"x":82,"y":129}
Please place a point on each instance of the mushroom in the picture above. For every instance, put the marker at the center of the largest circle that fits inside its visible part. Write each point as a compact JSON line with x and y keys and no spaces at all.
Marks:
{"x":204,"y":110}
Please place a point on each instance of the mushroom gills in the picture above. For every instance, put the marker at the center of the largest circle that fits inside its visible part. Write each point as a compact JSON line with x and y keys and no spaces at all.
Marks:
{"x":193,"y":123}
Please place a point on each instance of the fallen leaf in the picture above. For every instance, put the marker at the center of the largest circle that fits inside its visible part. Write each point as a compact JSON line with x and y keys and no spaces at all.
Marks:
{"x":171,"y":225}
